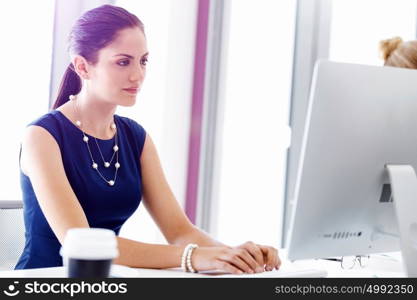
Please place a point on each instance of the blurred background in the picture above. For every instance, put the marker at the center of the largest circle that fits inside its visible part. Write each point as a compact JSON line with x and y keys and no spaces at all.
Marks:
{"x":226,"y":81}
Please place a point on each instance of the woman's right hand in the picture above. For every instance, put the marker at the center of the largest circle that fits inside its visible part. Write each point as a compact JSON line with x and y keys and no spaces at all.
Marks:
{"x":227,"y":259}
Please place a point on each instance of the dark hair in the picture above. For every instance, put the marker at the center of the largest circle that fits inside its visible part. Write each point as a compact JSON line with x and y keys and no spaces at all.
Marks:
{"x":94,"y":30}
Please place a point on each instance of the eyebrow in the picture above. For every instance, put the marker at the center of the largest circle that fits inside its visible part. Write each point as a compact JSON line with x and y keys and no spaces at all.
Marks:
{"x":129,"y":56}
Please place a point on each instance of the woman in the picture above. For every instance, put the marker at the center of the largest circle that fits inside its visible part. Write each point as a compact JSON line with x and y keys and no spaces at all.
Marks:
{"x":397,"y":53}
{"x":84,"y":166}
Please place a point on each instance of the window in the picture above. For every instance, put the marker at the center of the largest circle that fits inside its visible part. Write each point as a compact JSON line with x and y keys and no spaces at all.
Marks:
{"x":255,"y":133}
{"x":358,"y":26}
{"x":25,"y":75}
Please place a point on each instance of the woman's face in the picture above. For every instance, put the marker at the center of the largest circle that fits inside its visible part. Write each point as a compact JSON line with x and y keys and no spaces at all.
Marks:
{"x":120,"y":71}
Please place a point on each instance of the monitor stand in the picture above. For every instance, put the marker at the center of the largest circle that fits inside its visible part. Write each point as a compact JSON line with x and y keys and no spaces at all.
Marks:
{"x":404,"y":191}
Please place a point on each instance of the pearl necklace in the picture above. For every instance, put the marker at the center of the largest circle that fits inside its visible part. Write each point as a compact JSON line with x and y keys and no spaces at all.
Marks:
{"x":86,"y":139}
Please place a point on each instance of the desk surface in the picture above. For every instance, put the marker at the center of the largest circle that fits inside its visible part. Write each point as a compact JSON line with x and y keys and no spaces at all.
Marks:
{"x":124,"y":272}
{"x":379,"y":266}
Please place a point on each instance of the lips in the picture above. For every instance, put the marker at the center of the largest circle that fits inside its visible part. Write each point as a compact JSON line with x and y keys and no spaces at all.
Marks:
{"x":132,"y":90}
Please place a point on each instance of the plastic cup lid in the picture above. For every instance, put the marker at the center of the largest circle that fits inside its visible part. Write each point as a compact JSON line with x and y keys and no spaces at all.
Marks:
{"x":90,"y":243}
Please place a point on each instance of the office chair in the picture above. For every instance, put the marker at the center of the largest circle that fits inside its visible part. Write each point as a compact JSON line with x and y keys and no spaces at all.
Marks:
{"x":12,"y":233}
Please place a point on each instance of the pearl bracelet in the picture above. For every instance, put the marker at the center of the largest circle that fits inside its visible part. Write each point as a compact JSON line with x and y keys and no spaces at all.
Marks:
{"x":190,"y":252}
{"x":186,"y":258}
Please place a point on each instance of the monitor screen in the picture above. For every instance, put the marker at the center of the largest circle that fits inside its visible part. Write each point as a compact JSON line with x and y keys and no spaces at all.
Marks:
{"x":359,"y":120}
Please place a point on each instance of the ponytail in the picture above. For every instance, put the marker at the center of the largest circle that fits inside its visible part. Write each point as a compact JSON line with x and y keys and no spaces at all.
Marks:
{"x":70,"y":85}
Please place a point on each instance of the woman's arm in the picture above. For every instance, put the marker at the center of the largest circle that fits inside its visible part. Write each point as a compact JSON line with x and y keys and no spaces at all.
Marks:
{"x":177,"y":228}
{"x":41,"y":161}
{"x":162,"y":205}
{"x":143,"y":255}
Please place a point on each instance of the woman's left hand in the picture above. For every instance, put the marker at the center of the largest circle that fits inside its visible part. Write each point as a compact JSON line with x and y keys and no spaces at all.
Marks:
{"x":266,"y":256}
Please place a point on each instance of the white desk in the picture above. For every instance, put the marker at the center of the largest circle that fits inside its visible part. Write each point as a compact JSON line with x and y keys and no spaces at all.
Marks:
{"x":378,"y":266}
{"x":122,"y":271}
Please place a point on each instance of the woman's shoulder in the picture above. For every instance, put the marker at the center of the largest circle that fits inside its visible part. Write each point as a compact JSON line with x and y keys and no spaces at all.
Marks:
{"x":131,"y":124}
{"x":51,"y":124}
{"x":135,"y":131}
{"x":48,"y":118}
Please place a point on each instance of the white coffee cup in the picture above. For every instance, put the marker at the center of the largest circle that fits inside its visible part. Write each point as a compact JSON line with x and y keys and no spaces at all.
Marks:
{"x":89,"y":252}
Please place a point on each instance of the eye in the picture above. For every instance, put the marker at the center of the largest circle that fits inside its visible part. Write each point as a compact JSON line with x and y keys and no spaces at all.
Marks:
{"x":144,"y":61}
{"x":123,"y":63}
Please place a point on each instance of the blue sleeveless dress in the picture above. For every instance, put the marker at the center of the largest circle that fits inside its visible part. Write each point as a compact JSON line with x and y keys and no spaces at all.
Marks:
{"x":105,"y":206}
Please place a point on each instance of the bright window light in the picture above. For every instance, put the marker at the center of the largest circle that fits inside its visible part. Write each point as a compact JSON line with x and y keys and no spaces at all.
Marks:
{"x":255,"y":133}
{"x":26,"y":29}
{"x":357,"y":27}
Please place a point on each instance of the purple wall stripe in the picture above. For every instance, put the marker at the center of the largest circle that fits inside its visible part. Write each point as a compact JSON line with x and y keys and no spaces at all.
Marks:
{"x":197,"y":110}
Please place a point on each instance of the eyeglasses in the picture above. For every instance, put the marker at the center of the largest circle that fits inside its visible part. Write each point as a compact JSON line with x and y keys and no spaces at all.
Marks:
{"x":348,"y":262}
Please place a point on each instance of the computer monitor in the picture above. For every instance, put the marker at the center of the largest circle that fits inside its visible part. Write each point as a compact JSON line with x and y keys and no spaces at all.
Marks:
{"x":359,"y":143}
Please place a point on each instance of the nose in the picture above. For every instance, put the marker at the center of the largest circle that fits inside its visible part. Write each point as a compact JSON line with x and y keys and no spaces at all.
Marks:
{"x":138,"y":74}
